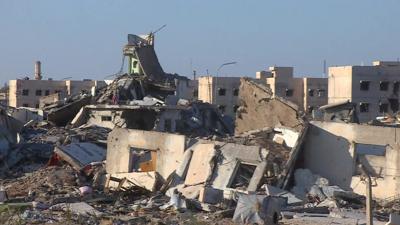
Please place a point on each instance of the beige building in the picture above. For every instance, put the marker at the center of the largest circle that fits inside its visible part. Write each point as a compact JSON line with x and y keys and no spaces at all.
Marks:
{"x":307,"y":92}
{"x":26,"y":93}
{"x":346,"y":147}
{"x":220,"y":91}
{"x":375,"y":89}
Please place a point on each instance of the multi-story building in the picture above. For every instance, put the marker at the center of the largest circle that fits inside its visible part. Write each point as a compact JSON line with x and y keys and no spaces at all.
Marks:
{"x":307,"y":92}
{"x":375,"y":89}
{"x":3,"y":95}
{"x":27,"y":93}
{"x":220,"y":91}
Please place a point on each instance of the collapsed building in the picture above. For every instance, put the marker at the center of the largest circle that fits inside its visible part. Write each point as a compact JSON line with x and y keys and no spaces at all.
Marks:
{"x":139,"y":152}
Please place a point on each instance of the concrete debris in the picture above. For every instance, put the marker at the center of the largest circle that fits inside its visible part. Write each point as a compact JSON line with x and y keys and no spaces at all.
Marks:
{"x":138,"y":152}
{"x":342,"y":112}
{"x":78,"y":208}
{"x":195,"y":120}
{"x":258,"y":209}
{"x":80,"y":155}
{"x":259,"y":109}
{"x":61,"y":114}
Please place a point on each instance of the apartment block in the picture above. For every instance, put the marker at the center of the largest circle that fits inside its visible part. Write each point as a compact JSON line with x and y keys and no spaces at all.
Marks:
{"x":220,"y":91}
{"x":374,"y":89}
{"x":307,"y":92}
{"x":27,"y":93}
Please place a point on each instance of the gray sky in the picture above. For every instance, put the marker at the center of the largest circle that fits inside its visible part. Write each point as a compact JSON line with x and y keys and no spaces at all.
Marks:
{"x":84,"y":39}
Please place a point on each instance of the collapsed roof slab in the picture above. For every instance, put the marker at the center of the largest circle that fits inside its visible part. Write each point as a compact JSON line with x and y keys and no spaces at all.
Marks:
{"x":259,"y":109}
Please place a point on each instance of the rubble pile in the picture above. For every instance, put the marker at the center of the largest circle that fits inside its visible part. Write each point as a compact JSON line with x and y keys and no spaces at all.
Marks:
{"x":135,"y":153}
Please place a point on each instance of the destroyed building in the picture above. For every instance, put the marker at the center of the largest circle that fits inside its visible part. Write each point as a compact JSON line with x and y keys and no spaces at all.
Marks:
{"x":137,"y":152}
{"x":259,"y":109}
{"x":336,"y":150}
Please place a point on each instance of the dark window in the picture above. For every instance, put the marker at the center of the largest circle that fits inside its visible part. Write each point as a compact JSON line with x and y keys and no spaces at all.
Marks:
{"x":38,"y":92}
{"x":221,"y":91}
{"x":289,"y":92}
{"x":383,"y":107}
{"x":394,"y":104}
{"x":321,"y":93}
{"x":364,"y":85}
{"x":235,"y":92}
{"x":243,"y":175}
{"x":310,"y":109}
{"x":311,"y":92}
{"x":106,"y":118}
{"x":235,"y":108}
{"x":221,"y":108}
{"x":25,"y":92}
{"x":396,"y":87}
{"x":364,"y":107}
{"x":384,"y":85}
{"x":25,"y":105}
{"x":196,"y":93}
{"x":168,"y":125}
{"x":47,"y":92}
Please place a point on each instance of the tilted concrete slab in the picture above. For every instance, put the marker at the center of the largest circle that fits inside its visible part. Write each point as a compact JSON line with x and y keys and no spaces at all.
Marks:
{"x":79,"y":155}
{"x":147,"y":180}
{"x":201,"y":165}
{"x":232,"y":156}
{"x":259,"y":109}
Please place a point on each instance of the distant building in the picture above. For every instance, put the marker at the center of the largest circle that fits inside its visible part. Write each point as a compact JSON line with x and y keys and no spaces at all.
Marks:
{"x":375,"y":89}
{"x":187,"y":89}
{"x":4,"y":95}
{"x":220,"y":91}
{"x":307,"y":92}
{"x":27,"y":93}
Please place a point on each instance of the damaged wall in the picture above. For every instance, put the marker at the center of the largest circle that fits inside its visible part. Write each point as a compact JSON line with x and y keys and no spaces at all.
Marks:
{"x":333,"y":149}
{"x":258,"y":109}
{"x":121,"y":143}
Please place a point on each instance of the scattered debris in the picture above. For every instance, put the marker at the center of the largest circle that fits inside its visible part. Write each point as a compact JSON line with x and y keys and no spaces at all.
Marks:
{"x":136,"y":152}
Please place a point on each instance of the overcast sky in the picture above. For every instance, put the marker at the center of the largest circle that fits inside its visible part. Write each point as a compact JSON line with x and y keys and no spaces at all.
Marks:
{"x":84,"y":38}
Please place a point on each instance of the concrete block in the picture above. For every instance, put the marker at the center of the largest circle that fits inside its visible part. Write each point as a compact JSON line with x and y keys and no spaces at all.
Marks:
{"x":79,"y":155}
{"x":201,"y":165}
{"x":259,"y":209}
{"x":257,"y":176}
{"x":146,"y":180}
{"x":211,"y":195}
{"x":233,"y":154}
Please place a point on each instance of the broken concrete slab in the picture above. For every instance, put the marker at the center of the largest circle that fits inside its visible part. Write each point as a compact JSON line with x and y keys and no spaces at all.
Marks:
{"x":288,"y":135}
{"x":79,"y":155}
{"x":259,"y":109}
{"x":211,"y":195}
{"x":201,"y":165}
{"x":62,"y":115}
{"x":79,"y":208}
{"x":275,"y":191}
{"x":258,"y":209}
{"x":233,"y":156}
{"x":147,"y":180}
{"x":258,"y":175}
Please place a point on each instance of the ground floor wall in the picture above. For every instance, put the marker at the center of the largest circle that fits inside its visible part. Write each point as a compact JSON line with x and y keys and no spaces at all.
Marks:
{"x":335,"y":151}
